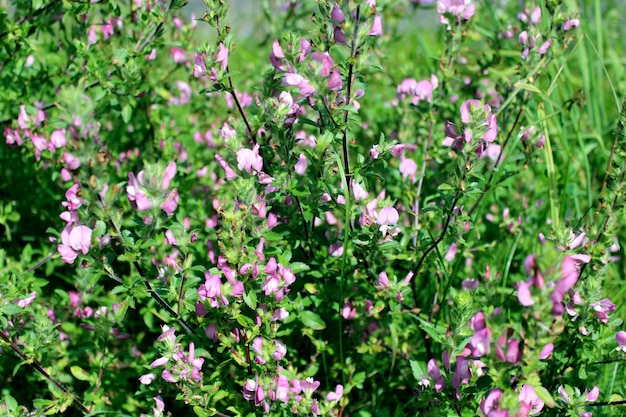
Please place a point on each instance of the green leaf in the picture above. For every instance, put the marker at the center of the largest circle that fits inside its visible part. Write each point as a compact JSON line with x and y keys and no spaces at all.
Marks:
{"x":79,"y":373}
{"x":250,"y":299}
{"x":272,"y":236}
{"x":10,"y":402}
{"x":437,"y":333}
{"x":418,"y":371}
{"x":41,"y":403}
{"x":545,"y":396}
{"x":10,"y":309}
{"x":297,"y":267}
{"x":121,"y":311}
{"x":312,"y":320}
{"x":127,"y":112}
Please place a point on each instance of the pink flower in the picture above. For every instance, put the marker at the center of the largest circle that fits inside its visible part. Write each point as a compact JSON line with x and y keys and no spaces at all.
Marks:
{"x":334,"y":81}
{"x":462,"y":374}
{"x":171,"y":202}
{"x":336,"y":395}
{"x":135,"y":194}
{"x":387,"y":216}
{"x":147,"y":378}
{"x":408,"y":168}
{"x":470,"y":106}
{"x":620,"y":338}
{"x":325,"y":63}
{"x":535,"y":15}
{"x":523,"y":294}
{"x":168,"y":175}
{"x":571,"y":23}
{"x":592,"y":395}
{"x":602,"y":309}
{"x":481,"y":342}
{"x":178,"y":55}
{"x":159,"y":362}
{"x":348,"y":312}
{"x":199,"y":68}
{"x":490,"y":405}
{"x":282,"y":389}
{"x":152,"y":55}
{"x":230,"y":174}
{"x":377,"y":26}
{"x":569,"y":278}
{"x":58,"y":138}
{"x":212,"y":287}
{"x":451,"y":252}
{"x":80,"y":239}
{"x":462,"y":9}
{"x":336,"y":249}
{"x":301,"y":165}
{"x":358,"y":191}
{"x":530,"y":403}
{"x":249,"y":160}
{"x":544,"y":47}
{"x":71,"y":161}
{"x":397,"y":150}
{"x":222,"y":56}
{"x":308,"y":386}
{"x":12,"y":136}
{"x":26,"y":301}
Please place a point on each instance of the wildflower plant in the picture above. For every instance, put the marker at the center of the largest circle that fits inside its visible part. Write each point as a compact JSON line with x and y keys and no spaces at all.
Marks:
{"x":349,"y":214}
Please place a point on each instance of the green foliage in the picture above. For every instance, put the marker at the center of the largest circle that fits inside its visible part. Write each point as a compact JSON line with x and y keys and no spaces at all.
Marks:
{"x":418,"y":219}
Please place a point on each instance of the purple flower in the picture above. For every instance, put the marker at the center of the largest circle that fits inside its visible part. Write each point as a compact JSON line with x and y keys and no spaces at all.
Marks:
{"x":602,"y":309}
{"x":435,"y":374}
{"x":481,"y":342}
{"x":336,"y":14}
{"x":569,"y":278}
{"x":325,"y":61}
{"x":489,"y":406}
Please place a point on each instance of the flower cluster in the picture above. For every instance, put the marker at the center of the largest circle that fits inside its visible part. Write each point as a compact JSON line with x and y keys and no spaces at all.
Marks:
{"x":149,"y":189}
{"x":478,"y":123}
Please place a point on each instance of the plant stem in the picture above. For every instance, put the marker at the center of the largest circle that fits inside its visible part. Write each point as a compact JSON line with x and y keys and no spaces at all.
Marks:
{"x":37,"y":366}
{"x":353,"y":51}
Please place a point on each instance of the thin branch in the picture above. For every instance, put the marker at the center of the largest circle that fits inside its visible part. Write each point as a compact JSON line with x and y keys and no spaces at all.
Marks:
{"x":353,"y":51}
{"x":432,"y":246}
{"x":421,"y":182}
{"x":31,"y":16}
{"x":231,"y":90}
{"x":39,"y":368}
{"x":141,"y":46}
{"x":495,"y":168}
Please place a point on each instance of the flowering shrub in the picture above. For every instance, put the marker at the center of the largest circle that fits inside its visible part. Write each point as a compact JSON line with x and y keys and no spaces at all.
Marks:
{"x":347,"y":216}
